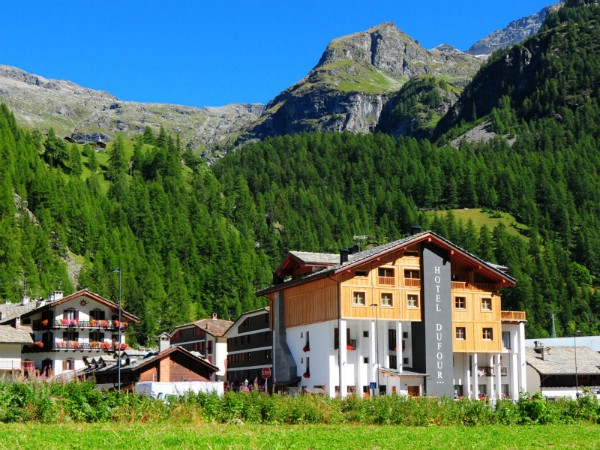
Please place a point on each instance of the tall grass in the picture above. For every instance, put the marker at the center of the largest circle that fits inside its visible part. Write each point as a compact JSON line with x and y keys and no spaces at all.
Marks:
{"x":47,"y":402}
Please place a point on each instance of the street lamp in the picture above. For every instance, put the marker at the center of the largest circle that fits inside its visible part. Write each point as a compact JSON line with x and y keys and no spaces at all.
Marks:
{"x":118,"y":269}
{"x":377,"y":343}
{"x":576,"y":377}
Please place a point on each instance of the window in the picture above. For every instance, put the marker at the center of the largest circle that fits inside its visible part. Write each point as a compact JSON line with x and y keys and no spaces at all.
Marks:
{"x":405,"y":334}
{"x":96,"y":336}
{"x":412,"y":274}
{"x":460,"y":302}
{"x":366,"y":360}
{"x":392,"y":340}
{"x":70,"y":335}
{"x":359,"y":299}
{"x":365,"y":334}
{"x":209,"y":347}
{"x":386,"y":272}
{"x":412,"y":300}
{"x":360,"y":273}
{"x":97,"y":314}
{"x":486,"y":304}
{"x":393,"y":362}
{"x":461,"y":333}
{"x":69,"y":364}
{"x":404,"y":360}
{"x":386,"y":299}
{"x":70,"y":314}
{"x":488,"y":334}
{"x":506,"y":339}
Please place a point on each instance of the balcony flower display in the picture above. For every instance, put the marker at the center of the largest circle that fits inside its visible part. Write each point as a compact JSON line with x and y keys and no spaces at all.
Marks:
{"x":73,"y":344}
{"x":94,"y":344}
{"x":93,"y":322}
{"x":60,"y":344}
{"x":351,"y":347}
{"x":39,"y":344}
{"x":306,"y":348}
{"x":306,"y":374}
{"x":120,"y":324}
{"x":120,"y":346}
{"x":69,"y":322}
{"x":44,"y":323}
{"x":104,"y":345}
{"x":104,"y":323}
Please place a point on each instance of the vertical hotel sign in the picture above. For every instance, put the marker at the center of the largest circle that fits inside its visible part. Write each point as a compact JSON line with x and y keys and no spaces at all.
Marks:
{"x":437,"y":318}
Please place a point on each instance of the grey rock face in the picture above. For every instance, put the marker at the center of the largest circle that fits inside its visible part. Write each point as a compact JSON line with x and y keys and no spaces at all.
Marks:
{"x":355,"y":78}
{"x":70,"y":109}
{"x":513,"y":33}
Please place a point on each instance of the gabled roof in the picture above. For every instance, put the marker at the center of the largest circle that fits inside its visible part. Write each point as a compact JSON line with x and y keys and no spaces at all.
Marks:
{"x":12,"y":335}
{"x":301,"y":262}
{"x":214,"y":327}
{"x":356,"y":260}
{"x":561,"y":361}
{"x":154,"y":357}
{"x":90,"y":295}
{"x":248,"y":314}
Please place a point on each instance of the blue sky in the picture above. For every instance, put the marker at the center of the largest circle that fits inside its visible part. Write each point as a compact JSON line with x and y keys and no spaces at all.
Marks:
{"x":211,"y":53}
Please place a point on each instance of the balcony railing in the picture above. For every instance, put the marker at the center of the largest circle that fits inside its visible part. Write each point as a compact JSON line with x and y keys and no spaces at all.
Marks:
{"x":412,"y":282}
{"x":38,"y":346}
{"x":486,"y":287}
{"x":387,"y":281}
{"x":514,"y":316}
{"x":46,"y":324}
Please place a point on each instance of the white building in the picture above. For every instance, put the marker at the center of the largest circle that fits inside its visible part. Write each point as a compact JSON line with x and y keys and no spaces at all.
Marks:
{"x":12,"y":341}
{"x":415,"y":316}
{"x":66,"y":330}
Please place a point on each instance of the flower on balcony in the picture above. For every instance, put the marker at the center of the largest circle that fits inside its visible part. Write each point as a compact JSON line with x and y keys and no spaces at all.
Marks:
{"x":44,"y":323}
{"x":60,"y":344}
{"x":121,"y":346}
{"x":306,"y":348}
{"x":104,"y":324}
{"x":92,"y":323}
{"x":94,"y":344}
{"x":306,"y":374}
{"x":120,"y":324}
{"x":104,"y":345}
{"x":351,"y":347}
{"x":39,"y":344}
{"x":73,"y":344}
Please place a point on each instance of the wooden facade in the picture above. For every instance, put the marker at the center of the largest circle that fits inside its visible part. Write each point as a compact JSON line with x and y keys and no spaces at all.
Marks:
{"x":388,"y":286}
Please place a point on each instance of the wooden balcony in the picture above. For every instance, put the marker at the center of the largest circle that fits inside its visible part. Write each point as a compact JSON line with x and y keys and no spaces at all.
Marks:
{"x":465,"y":285}
{"x":514,"y":316}
{"x":412,"y":282}
{"x":387,"y":281}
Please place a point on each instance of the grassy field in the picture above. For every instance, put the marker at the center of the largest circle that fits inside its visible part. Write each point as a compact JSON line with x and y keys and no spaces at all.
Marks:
{"x":217,"y":436}
{"x":481,"y":217}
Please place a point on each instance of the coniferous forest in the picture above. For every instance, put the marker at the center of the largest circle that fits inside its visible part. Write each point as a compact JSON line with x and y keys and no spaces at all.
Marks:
{"x":193,"y":239}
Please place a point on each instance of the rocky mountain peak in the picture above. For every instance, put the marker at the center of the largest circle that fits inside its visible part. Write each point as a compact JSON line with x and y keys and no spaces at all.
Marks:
{"x":513,"y":33}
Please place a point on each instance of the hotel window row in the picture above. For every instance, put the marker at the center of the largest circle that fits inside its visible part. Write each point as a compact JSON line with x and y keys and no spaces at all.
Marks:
{"x":487,"y":334}
{"x":461,"y":303}
{"x":359,"y":298}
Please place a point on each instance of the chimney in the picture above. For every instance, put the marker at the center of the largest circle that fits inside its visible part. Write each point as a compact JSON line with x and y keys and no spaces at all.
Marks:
{"x":56,"y":295}
{"x":164,"y":342}
{"x":25,"y":300}
{"x":214,"y":316}
{"x":415,"y":229}
{"x":344,"y":252}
